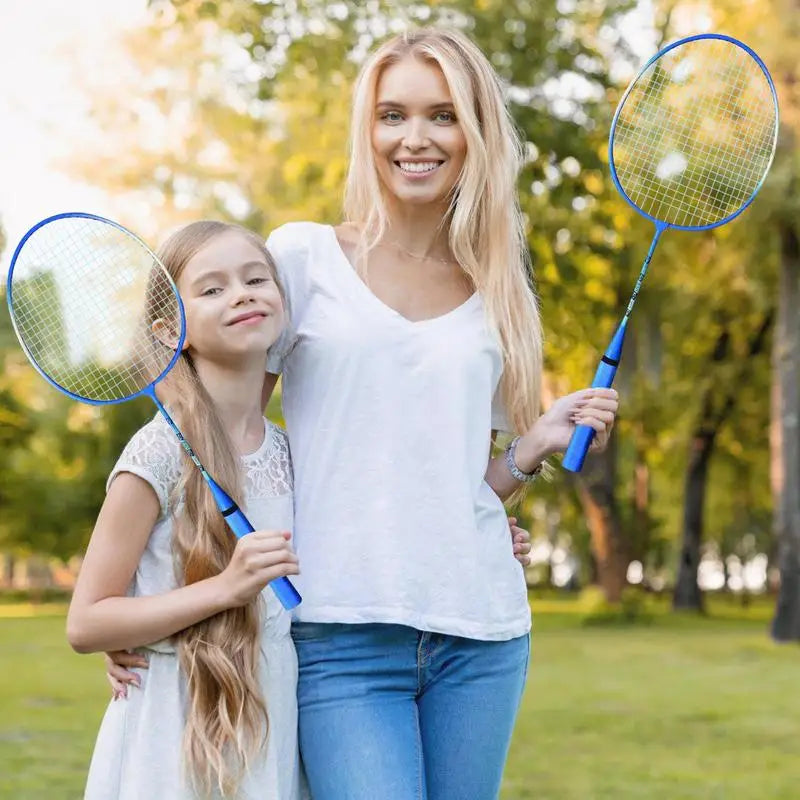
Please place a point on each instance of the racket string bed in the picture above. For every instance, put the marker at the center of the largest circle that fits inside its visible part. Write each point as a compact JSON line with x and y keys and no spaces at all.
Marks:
{"x":718,"y":174}
{"x":92,"y":334}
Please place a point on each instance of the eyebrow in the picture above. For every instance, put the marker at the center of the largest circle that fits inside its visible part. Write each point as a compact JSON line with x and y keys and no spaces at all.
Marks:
{"x":216,"y":274}
{"x":432,"y":107}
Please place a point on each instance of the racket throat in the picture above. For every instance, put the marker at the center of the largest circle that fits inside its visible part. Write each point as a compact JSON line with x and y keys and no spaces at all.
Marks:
{"x":613,"y":353}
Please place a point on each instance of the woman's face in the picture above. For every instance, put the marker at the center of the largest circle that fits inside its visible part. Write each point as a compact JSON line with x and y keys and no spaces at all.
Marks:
{"x":418,"y":143}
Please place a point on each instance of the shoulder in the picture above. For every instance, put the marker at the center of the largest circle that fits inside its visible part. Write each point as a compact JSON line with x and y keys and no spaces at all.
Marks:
{"x":269,"y":473}
{"x":153,"y":454}
{"x":279,"y":451}
{"x":294,"y":239}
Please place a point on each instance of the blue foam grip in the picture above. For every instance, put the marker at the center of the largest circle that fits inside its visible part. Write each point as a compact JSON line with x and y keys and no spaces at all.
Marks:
{"x":583,"y":435}
{"x":283,"y":587}
{"x":284,"y":590}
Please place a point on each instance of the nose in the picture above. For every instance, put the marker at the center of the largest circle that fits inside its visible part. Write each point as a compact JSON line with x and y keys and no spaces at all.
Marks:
{"x":242,"y":295}
{"x":416,"y":134}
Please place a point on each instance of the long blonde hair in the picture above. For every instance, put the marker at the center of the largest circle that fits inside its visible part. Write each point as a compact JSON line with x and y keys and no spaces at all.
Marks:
{"x":226,"y":722}
{"x":485,"y":225}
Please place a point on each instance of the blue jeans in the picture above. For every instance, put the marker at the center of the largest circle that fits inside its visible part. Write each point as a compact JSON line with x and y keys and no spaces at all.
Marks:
{"x":388,"y":712}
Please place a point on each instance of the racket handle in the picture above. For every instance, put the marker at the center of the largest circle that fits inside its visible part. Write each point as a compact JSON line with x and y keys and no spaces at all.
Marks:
{"x":583,"y":435}
{"x":282,"y":587}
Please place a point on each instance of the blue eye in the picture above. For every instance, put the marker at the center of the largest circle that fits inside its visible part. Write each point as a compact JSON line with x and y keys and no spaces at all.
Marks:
{"x":212,"y":290}
{"x":392,"y":116}
{"x":445,"y":116}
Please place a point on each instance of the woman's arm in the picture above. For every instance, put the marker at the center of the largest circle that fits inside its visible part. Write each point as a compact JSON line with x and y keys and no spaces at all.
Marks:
{"x":551,"y":434}
{"x":531,"y":451}
{"x":101,"y":617}
{"x":268,"y":388}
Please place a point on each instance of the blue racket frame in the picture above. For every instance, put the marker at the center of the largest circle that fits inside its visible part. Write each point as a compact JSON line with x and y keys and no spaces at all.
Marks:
{"x":234,"y":517}
{"x":607,"y":369}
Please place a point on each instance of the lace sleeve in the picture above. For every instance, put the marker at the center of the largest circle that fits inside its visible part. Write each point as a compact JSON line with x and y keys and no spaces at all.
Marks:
{"x":153,"y":454}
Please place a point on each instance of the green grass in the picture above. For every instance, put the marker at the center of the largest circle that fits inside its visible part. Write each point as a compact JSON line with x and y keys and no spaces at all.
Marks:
{"x":676,"y":709}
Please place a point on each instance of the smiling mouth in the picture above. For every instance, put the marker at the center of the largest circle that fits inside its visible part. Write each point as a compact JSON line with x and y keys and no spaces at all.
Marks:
{"x":418,"y":167}
{"x":252,"y":318}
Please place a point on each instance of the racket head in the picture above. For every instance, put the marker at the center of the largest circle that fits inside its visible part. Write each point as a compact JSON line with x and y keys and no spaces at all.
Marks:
{"x":694,"y":135}
{"x":83,"y":293}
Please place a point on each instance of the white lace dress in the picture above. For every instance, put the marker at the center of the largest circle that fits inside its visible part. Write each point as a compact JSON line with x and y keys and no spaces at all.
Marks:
{"x":137,"y":755}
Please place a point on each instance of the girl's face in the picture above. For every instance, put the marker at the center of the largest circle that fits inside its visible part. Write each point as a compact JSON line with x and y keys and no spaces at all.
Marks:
{"x":233,"y":306}
{"x":418,"y":143}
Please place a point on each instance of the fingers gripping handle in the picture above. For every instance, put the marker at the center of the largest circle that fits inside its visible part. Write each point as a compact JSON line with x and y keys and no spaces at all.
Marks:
{"x":282,"y":587}
{"x":584,"y":434}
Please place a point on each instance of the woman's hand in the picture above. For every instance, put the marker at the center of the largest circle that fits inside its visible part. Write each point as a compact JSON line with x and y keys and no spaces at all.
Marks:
{"x":521,"y":540}
{"x":552,"y":432}
{"x":259,"y":557}
{"x":118,"y":671}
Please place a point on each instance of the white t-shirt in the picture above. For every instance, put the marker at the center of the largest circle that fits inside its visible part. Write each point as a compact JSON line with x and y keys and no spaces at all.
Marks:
{"x":389,"y":425}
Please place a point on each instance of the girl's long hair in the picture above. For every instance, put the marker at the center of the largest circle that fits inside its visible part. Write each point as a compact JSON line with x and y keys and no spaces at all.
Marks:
{"x":226,"y":720}
{"x":484,"y":221}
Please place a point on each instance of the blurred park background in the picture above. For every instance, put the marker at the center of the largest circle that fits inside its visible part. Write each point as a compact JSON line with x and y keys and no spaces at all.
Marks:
{"x":665,"y":579}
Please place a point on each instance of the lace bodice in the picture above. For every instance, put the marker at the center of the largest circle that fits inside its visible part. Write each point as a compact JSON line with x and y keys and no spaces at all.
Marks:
{"x":154,"y":454}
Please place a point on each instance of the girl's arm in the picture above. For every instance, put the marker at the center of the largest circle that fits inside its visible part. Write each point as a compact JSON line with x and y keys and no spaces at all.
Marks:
{"x":101,"y":617}
{"x":551,"y":434}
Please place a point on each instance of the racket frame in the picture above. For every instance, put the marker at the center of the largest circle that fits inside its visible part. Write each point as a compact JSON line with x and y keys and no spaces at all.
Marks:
{"x":664,"y":50}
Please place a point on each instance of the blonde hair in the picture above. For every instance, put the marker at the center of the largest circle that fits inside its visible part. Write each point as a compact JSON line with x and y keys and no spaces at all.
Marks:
{"x":485,"y":225}
{"x":226,"y":722}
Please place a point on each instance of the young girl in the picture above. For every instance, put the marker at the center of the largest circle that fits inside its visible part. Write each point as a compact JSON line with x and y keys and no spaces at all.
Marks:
{"x":217,"y":714}
{"x":414,"y":335}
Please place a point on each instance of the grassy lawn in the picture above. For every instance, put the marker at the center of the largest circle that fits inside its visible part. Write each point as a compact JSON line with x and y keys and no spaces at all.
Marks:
{"x":680,"y":708}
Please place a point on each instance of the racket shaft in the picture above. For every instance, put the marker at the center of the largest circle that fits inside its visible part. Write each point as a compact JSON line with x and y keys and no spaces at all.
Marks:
{"x":583,"y":435}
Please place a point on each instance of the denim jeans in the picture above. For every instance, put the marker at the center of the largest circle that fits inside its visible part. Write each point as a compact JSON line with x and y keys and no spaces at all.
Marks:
{"x":388,"y":712}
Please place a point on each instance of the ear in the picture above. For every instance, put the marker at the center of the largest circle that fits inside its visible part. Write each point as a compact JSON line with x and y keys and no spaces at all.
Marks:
{"x":164,"y":331}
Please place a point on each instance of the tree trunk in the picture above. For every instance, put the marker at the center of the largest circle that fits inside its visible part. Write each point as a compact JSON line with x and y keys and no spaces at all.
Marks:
{"x":596,"y":491}
{"x":786,"y":439}
{"x":687,"y":593}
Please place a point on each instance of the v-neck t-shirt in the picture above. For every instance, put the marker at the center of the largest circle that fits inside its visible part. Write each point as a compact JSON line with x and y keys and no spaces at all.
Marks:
{"x":389,"y":423}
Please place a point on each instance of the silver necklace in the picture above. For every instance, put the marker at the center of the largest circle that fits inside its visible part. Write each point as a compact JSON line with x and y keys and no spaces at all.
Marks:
{"x":417,"y":257}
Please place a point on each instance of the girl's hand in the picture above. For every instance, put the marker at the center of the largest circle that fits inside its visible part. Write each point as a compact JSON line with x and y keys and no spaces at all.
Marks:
{"x":522,"y":542}
{"x":118,"y":672}
{"x":259,"y":557}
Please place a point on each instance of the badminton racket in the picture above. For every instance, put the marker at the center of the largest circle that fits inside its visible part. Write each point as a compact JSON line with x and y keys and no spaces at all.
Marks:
{"x":84,"y":293}
{"x":691,"y":143}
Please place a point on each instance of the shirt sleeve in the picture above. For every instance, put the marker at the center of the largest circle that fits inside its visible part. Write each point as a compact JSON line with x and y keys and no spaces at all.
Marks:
{"x":499,"y":413}
{"x":288,"y":247}
{"x":152,"y":454}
